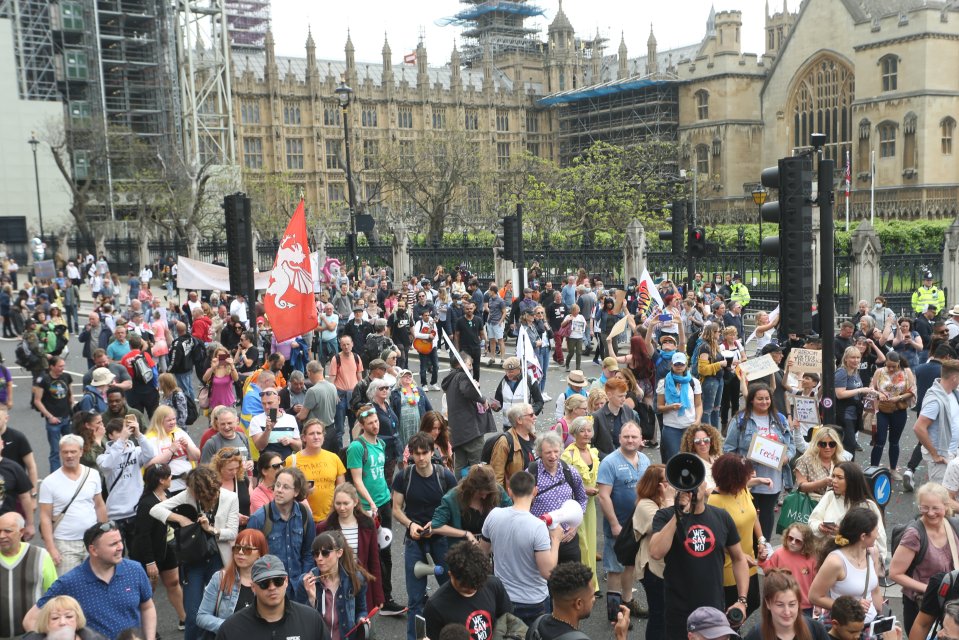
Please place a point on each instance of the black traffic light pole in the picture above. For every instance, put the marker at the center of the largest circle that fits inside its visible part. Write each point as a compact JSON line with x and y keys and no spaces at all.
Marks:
{"x":239,"y":235}
{"x":520,"y":287}
{"x":827,"y":306}
{"x":690,"y":260}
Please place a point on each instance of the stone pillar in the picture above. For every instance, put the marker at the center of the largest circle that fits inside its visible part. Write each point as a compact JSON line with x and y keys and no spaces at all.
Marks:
{"x":950,"y":264}
{"x":864,"y":274}
{"x":502,"y":268}
{"x":402,"y":265}
{"x":634,"y":251}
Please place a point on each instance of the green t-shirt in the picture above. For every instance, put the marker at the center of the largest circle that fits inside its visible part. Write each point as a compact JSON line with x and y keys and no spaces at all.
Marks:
{"x":374,"y":476}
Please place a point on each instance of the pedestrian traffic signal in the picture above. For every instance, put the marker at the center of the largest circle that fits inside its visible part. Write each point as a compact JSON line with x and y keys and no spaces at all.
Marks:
{"x":239,"y":238}
{"x":793,"y":212}
{"x":677,"y":225}
{"x":511,"y":238}
{"x":696,"y":243}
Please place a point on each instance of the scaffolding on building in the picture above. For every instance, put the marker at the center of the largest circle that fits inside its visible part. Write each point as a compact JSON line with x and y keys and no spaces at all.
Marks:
{"x":497,"y":26}
{"x":620,"y":112}
{"x":203,"y":60}
{"x":248,"y":22}
{"x":33,"y":48}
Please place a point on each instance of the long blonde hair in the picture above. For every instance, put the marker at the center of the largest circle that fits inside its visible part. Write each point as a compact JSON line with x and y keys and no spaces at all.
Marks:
{"x":156,"y":423}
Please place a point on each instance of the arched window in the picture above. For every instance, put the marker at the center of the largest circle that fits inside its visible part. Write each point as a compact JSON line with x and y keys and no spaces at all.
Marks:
{"x":821,"y":102}
{"x":947,"y":128}
{"x":702,"y":105}
{"x":889,"y":70}
{"x":702,"y":159}
{"x":887,"y":139}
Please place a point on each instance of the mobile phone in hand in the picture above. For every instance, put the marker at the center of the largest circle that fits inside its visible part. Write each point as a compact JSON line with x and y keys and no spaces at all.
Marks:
{"x":420,"y":627}
{"x":273,"y":414}
{"x":613,"y":601}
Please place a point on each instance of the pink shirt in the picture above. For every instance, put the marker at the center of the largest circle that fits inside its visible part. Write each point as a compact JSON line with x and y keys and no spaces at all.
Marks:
{"x":803,"y":568}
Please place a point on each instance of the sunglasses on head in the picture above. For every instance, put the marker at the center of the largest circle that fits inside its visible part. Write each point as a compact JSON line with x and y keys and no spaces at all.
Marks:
{"x":268,"y":393}
{"x":367,"y":412}
{"x":827,"y":443}
{"x":278,"y":582}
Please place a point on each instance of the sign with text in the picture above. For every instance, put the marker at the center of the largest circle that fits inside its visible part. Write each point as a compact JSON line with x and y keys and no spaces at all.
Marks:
{"x":758,"y":367}
{"x":804,"y":410}
{"x":805,"y":360}
{"x":767,"y":452}
{"x":44,"y":269}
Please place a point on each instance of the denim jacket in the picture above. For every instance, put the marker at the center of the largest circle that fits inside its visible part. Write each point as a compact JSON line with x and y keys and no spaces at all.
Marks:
{"x":350,"y":605}
{"x":216,"y":607}
{"x":741,"y":433}
{"x":290,"y":540}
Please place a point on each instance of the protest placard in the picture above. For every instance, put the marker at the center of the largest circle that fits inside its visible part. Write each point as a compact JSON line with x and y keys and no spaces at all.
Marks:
{"x":805,"y":361}
{"x":758,"y":367}
{"x":767,"y":452}
{"x":804,"y":410}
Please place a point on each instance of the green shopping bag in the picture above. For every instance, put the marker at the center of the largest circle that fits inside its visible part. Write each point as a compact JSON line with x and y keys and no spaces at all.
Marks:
{"x":796,"y":508}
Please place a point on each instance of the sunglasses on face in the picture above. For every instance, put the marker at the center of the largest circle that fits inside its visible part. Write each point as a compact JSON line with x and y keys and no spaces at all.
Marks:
{"x":795,"y":539}
{"x":323,"y":552}
{"x":276,"y":465}
{"x":823,"y":444}
{"x":276,"y":582}
{"x":705,"y":440}
{"x":243,"y":550}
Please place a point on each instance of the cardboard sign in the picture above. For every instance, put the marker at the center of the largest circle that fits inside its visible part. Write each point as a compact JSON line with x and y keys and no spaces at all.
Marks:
{"x":804,"y":410}
{"x":620,"y":301}
{"x":44,"y":269}
{"x":619,"y":327}
{"x":758,"y":367}
{"x":766,"y":452}
{"x":805,"y":360}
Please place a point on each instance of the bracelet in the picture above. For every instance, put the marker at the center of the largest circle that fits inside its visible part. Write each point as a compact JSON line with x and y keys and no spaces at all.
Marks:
{"x":742,"y":600}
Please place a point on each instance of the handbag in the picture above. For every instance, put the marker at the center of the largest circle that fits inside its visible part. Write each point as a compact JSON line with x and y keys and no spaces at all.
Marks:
{"x":203,"y":398}
{"x":194,"y":545}
{"x":626,"y":546}
{"x":797,"y":507}
{"x":892,"y":406}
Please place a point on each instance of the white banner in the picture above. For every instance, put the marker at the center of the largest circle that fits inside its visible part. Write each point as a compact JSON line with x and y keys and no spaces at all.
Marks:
{"x":195,"y":274}
{"x":649,"y":298}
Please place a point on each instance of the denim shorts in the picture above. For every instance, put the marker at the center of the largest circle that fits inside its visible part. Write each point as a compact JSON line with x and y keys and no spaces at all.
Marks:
{"x":610,"y":563}
{"x":494,"y":331}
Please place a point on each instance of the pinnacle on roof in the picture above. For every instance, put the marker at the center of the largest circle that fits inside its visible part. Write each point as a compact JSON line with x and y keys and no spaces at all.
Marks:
{"x":386,"y":46}
{"x":560,"y":22}
{"x":622,"y":41}
{"x":349,"y":41}
{"x":309,"y":37}
{"x":652,"y":38}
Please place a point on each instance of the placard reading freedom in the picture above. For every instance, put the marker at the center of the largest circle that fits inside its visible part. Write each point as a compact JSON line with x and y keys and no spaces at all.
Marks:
{"x":805,"y":361}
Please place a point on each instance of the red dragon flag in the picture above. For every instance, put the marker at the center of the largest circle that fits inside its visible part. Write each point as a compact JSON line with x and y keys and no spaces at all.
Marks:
{"x":289,"y":296}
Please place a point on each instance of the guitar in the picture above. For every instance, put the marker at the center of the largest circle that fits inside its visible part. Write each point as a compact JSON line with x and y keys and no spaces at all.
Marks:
{"x":424,"y":346}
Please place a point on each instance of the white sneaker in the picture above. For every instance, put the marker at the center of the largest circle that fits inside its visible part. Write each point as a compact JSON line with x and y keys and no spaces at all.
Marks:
{"x":907,"y":481}
{"x":547,"y":397}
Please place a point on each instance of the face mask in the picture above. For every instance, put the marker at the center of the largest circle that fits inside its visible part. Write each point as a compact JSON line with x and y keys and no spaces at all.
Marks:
{"x":707,"y":289}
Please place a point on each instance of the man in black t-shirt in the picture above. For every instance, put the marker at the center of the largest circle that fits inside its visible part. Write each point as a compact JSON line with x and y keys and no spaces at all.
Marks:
{"x":942,"y":587}
{"x":571,"y":590}
{"x":696,"y":546}
{"x":16,"y":447}
{"x":468,"y":331}
{"x":417,"y":492}
{"x":15,"y":487}
{"x":473,"y":597}
{"x":53,"y":398}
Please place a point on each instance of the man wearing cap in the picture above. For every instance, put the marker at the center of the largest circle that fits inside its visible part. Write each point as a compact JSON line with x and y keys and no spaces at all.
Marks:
{"x":113,"y":592}
{"x":928,"y":294}
{"x":575,"y":385}
{"x":738,"y":291}
{"x":509,"y":391}
{"x":274,"y":616}
{"x":707,"y":623}
{"x":610,"y":367}
{"x":359,"y":330}
{"x":952,"y":324}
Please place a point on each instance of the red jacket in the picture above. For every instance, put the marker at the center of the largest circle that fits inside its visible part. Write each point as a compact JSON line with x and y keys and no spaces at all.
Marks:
{"x":368,"y":558}
{"x":201,"y":328}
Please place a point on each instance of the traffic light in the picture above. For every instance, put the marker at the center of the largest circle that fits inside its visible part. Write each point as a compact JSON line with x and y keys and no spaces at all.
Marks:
{"x":793,"y":212}
{"x":696,"y":243}
{"x":677,"y":224}
{"x":511,"y":238}
{"x":351,"y":244}
{"x":239,"y":238}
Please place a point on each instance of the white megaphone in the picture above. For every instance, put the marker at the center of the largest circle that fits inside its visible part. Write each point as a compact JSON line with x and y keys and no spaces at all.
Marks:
{"x":384,"y":537}
{"x":569,"y":514}
{"x":424,"y":569}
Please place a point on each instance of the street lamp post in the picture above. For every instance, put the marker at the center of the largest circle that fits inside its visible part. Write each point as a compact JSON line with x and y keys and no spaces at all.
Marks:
{"x":344,"y":93}
{"x":34,"y":143}
{"x":759,"y":198}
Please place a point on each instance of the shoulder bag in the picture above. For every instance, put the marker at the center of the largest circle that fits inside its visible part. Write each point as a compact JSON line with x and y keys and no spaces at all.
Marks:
{"x":83,"y":481}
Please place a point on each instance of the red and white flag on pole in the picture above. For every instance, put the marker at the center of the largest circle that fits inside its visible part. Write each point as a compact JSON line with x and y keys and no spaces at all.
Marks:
{"x":289,"y":297}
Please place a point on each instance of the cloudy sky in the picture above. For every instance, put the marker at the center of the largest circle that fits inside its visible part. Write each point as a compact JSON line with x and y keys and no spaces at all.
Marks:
{"x":676,"y":23}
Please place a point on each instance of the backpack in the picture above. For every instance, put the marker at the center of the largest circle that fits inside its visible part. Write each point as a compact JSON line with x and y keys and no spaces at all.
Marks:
{"x":342,"y":455}
{"x":533,"y":468}
{"x":441,"y":479}
{"x":25,"y":357}
{"x":142,"y":372}
{"x":192,"y":411}
{"x":487,"y":454}
{"x":692,"y":341}
{"x":356,"y":361}
{"x":78,"y":405}
{"x":899,"y":530}
{"x":948,"y":591}
{"x":535,"y":634}
{"x":268,"y":517}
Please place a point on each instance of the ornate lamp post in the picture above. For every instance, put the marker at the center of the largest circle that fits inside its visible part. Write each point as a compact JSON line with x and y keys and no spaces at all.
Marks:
{"x":344,"y":94}
{"x":34,"y":143}
{"x":759,"y":199}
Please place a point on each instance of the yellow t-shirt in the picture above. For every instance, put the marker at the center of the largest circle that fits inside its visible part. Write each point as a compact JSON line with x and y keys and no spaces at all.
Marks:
{"x":743,"y":513}
{"x":322,"y":469}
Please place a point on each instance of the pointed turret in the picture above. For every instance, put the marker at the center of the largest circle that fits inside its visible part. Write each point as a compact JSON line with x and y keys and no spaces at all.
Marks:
{"x":351,"y":78}
{"x":623,"y":60}
{"x":652,"y":65}
{"x":455,"y":64}
{"x":270,"y":68}
{"x":711,"y":21}
{"x":422,"y":73}
{"x":387,"y":63}
{"x":596,"y":57}
{"x":310,"y":54}
{"x":487,"y":67}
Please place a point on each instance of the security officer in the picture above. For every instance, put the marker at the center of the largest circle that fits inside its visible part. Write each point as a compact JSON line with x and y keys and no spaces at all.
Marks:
{"x":738,"y":291}
{"x":928,"y":294}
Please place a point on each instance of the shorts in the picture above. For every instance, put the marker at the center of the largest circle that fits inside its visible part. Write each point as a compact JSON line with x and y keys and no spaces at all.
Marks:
{"x":168,"y":561}
{"x":494,"y":331}
{"x":610,"y":563}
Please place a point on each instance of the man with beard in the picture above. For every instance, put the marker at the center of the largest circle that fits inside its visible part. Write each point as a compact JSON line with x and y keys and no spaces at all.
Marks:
{"x":571,"y":589}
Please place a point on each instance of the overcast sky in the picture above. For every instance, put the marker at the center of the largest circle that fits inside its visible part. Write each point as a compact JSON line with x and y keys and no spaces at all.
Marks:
{"x":676,"y":23}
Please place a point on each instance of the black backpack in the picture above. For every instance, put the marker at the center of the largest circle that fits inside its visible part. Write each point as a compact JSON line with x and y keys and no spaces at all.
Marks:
{"x":192,"y":411}
{"x":899,"y":530}
{"x":487,"y":454}
{"x":342,"y":455}
{"x":536,"y":634}
{"x":26,"y":358}
{"x":533,"y":468}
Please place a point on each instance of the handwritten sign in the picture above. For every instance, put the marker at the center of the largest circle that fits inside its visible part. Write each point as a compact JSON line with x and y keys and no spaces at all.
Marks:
{"x":766,"y":452}
{"x":620,"y":301}
{"x":758,"y":367}
{"x":619,"y":327}
{"x":805,"y":361}
{"x":804,"y":410}
{"x":44,"y":269}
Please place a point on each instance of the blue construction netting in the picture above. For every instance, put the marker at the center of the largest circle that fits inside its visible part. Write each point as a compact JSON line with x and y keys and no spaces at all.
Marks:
{"x":464,"y":17}
{"x":599,"y":90}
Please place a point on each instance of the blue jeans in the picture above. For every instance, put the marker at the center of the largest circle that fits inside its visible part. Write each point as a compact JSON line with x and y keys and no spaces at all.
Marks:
{"x":529,"y":612}
{"x":55,"y":431}
{"x":712,"y":399}
{"x":185,"y":382}
{"x":669,"y":441}
{"x":416,"y":587}
{"x":194,"y":580}
{"x":891,"y":424}
{"x":429,"y":362}
{"x":543,"y":354}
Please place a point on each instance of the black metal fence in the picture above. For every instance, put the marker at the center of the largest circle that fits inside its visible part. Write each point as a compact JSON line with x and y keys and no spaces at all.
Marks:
{"x":901,"y":275}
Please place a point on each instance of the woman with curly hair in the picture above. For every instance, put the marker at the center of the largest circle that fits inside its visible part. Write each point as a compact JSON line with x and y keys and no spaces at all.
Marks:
{"x":798,"y":555}
{"x":813,"y":470}
{"x":228,"y":464}
{"x":781,"y":615}
{"x":706,"y":443}
{"x":595,"y":400}
{"x":464,"y":508}
{"x":849,"y":565}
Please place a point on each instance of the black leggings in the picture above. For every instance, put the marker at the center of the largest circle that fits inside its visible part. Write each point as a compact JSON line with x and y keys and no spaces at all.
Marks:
{"x":766,"y":512}
{"x":850,"y":426}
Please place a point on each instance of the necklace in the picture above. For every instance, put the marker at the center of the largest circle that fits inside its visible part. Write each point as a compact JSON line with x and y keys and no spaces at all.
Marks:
{"x":556,"y":617}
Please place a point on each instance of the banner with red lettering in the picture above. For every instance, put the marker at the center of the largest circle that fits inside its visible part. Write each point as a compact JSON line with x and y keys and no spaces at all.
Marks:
{"x":289,"y":297}
{"x":648,"y":294}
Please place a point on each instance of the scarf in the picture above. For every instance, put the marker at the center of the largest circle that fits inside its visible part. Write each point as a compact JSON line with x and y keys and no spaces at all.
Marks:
{"x":683,"y":395}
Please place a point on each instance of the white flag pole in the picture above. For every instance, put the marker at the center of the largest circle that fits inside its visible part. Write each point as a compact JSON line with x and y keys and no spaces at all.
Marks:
{"x":872,"y":190}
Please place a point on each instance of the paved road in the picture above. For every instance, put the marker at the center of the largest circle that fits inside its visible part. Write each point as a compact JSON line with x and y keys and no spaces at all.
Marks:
{"x":25,"y":419}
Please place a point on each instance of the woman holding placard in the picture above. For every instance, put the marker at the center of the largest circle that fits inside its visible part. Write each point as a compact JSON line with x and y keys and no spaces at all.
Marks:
{"x":813,"y":471}
{"x":762,"y":435}
{"x":896,"y":388}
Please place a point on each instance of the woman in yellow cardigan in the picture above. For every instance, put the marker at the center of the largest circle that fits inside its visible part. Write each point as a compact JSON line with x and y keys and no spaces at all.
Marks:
{"x":585,"y":459}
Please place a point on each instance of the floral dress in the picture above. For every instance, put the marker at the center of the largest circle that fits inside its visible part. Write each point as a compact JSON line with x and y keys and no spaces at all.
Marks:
{"x":409,"y":412}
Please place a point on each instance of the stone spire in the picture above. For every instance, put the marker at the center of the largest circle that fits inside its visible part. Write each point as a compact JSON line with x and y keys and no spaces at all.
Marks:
{"x":487,"y":67}
{"x":270,"y":45}
{"x":310,"y":54}
{"x":596,"y":57}
{"x":623,"y":61}
{"x":652,"y":65}
{"x":350,"y":54}
{"x":711,"y":21}
{"x":455,"y":64}
{"x":387,"y":62}
{"x":422,"y":74}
